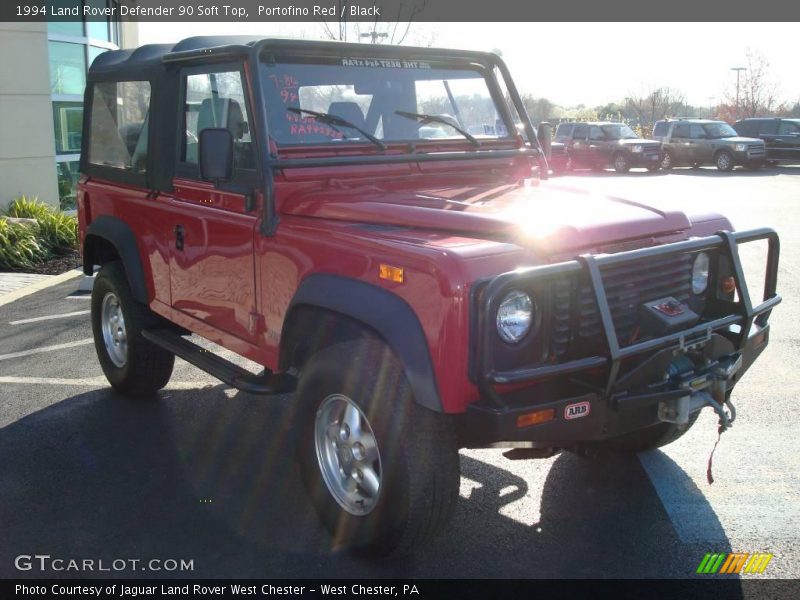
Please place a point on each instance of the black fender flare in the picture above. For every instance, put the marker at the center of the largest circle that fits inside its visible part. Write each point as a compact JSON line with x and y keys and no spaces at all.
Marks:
{"x":384,"y":312}
{"x":117,"y":233}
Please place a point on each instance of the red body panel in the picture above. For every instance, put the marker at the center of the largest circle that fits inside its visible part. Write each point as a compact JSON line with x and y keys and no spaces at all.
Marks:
{"x":446,"y":228}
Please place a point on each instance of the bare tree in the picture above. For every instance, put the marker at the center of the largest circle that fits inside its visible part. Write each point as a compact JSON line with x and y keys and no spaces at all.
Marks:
{"x":758,"y":92}
{"x":655,"y":103}
{"x":377,"y":31}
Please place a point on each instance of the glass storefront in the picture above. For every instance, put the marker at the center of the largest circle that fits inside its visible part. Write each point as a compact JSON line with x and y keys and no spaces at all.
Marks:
{"x":72,"y":48}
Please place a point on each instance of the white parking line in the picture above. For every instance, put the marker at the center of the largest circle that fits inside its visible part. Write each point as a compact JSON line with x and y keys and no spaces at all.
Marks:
{"x":49,"y":317}
{"x":84,"y":342}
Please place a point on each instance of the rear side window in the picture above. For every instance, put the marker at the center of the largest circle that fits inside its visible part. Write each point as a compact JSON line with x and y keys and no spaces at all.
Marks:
{"x":564,"y":130}
{"x":580,"y":132}
{"x":681,"y":130}
{"x":660,"y":129}
{"x":747,"y":128}
{"x":120,"y":119}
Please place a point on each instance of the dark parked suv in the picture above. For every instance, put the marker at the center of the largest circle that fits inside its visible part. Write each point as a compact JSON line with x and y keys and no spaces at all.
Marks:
{"x":781,"y":136}
{"x":599,"y":145}
{"x":697,"y":142}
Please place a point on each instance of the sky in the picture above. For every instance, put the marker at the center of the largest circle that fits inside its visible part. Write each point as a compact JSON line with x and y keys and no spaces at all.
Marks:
{"x":583,"y":63}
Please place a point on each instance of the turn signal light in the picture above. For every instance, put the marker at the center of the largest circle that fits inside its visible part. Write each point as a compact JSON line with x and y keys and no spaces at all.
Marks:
{"x":534,"y":418}
{"x":391,"y":273}
{"x":727,"y":285}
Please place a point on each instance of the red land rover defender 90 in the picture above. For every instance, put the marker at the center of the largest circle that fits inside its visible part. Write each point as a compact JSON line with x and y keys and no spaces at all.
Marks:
{"x":367,"y":223}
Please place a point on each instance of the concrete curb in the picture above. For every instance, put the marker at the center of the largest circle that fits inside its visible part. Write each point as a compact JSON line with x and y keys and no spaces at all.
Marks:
{"x":33,"y":288}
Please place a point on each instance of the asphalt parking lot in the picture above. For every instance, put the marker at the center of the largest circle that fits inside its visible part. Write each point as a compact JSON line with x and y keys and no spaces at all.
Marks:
{"x":204,"y":473}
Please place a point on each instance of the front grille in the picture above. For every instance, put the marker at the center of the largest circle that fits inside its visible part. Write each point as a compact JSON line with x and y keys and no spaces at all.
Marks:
{"x":756,"y":151}
{"x":576,"y":326}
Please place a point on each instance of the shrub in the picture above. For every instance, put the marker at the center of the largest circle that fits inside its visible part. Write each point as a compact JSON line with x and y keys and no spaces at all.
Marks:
{"x":22,"y":246}
{"x":19,"y":248}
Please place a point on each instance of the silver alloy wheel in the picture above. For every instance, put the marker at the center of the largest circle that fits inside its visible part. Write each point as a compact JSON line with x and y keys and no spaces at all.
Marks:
{"x":723,"y":161}
{"x":666,"y":162}
{"x":620,"y":162}
{"x":112,"y":323}
{"x":347,"y":454}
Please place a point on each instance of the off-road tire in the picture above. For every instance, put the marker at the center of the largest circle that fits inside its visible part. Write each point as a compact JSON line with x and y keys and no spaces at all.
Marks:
{"x":419,"y":464}
{"x":147,"y":368}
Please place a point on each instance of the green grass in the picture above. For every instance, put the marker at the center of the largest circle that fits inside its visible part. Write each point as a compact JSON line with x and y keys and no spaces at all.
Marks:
{"x":24,"y":245}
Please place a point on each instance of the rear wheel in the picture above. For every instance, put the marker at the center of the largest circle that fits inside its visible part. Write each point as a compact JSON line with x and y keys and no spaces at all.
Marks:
{"x":133,"y":365}
{"x":381,"y":470}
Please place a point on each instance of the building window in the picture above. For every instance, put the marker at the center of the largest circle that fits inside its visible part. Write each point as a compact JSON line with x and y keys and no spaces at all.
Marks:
{"x":72,"y":48}
{"x":67,"y":68}
{"x":67,"y":181}
{"x":68,"y":121}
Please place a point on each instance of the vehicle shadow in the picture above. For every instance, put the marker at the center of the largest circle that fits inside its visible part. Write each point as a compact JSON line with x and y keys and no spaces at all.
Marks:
{"x":206,"y":475}
{"x":633,"y":173}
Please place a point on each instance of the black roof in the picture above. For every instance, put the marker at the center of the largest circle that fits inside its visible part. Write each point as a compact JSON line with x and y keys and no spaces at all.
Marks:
{"x":152,"y":55}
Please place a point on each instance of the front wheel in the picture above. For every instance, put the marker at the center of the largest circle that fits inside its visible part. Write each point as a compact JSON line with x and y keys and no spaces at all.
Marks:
{"x":724,"y":161}
{"x":621,"y":163}
{"x":668,"y":161}
{"x":381,"y":471}
{"x":133,"y":365}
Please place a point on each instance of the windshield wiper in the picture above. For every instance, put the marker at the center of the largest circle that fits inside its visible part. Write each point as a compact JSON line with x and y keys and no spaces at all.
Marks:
{"x":427,"y":119}
{"x":337,"y":121}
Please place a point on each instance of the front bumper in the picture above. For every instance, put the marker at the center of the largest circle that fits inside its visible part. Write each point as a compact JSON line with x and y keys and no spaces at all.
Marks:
{"x":646,"y":159}
{"x":621,"y":400}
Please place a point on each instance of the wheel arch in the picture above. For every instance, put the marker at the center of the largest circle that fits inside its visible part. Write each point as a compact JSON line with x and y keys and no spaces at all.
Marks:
{"x":109,"y":238}
{"x":327,"y":309}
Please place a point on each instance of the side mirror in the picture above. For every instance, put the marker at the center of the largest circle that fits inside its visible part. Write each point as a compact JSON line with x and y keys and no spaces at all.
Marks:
{"x":545,"y":135}
{"x":216,"y":154}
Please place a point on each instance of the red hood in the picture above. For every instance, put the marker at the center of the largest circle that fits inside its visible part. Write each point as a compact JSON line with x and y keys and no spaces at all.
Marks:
{"x":553,"y":219}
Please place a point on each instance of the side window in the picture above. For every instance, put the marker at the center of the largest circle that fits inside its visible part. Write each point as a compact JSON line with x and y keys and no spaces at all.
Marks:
{"x":217,"y":100}
{"x":595,"y":133}
{"x":580,"y":131}
{"x":696,"y":132}
{"x":120,"y":118}
{"x":681,"y":130}
{"x":788,"y":128}
{"x":564,"y":130}
{"x":747,"y":128}
{"x":660,"y":129}
{"x":767,"y":128}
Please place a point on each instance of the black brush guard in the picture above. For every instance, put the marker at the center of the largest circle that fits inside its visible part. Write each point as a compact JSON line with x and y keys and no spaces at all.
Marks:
{"x":739,"y":317}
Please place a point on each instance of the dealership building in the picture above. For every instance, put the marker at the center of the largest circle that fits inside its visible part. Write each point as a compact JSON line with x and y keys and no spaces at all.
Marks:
{"x":42,"y":78}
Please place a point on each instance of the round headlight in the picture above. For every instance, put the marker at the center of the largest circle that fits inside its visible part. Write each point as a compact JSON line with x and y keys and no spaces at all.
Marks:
{"x":515,"y":316}
{"x":700,"y":273}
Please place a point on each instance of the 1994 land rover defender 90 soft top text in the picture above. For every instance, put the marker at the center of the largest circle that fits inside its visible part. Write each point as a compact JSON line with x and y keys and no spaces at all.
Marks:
{"x":365,"y":222}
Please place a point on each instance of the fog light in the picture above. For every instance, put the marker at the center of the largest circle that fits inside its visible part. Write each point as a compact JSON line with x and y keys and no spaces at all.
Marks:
{"x":540,"y":416}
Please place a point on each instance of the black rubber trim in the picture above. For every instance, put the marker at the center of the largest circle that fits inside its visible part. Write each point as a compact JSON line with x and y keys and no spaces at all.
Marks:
{"x":118,"y":234}
{"x":386,"y":313}
{"x":224,"y":370}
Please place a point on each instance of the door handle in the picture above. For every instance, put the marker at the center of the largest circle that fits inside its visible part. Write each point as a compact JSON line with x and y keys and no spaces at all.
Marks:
{"x":178,"y":237}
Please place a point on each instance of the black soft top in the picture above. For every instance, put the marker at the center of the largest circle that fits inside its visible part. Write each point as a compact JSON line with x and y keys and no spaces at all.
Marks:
{"x":146,"y":61}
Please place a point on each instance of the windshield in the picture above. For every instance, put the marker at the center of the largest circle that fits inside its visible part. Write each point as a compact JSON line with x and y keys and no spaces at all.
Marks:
{"x":372,"y":95}
{"x":619,"y":132}
{"x":719,"y":130}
